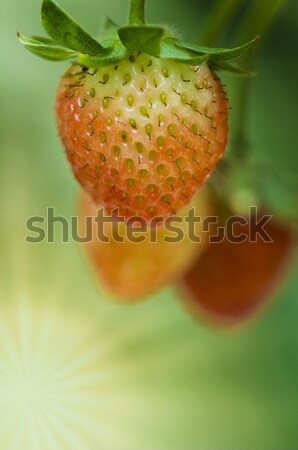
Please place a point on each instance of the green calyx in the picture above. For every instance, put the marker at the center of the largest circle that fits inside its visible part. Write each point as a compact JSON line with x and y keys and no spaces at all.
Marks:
{"x":69,"y":41}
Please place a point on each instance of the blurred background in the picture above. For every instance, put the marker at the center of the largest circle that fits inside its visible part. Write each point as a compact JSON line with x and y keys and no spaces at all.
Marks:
{"x":78,"y":372}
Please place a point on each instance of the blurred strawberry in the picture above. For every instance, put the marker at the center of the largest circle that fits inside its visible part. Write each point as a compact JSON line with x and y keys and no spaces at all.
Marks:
{"x":130,"y":270}
{"x":231,"y":281}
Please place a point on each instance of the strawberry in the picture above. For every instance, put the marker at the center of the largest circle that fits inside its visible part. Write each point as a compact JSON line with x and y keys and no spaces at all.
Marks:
{"x":143,"y":134}
{"x":141,"y":113}
{"x":128,"y":270}
{"x":231,"y":281}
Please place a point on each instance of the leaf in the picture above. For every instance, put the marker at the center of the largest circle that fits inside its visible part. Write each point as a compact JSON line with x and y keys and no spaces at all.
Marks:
{"x":153,"y":41}
{"x":220,"y":65}
{"x":216,"y":54}
{"x":49,"y":51}
{"x":109,"y":24}
{"x":144,"y":38}
{"x":118,"y":53}
{"x":170,"y":51}
{"x":195,"y":61}
{"x":66,"y":31}
{"x":44,"y":40}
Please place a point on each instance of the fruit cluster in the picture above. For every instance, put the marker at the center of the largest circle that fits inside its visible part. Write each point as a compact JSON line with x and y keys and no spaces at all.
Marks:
{"x":143,"y":118}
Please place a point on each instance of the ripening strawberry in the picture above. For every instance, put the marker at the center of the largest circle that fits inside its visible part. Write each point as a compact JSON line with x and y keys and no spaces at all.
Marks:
{"x":231,"y":281}
{"x":128,"y":271}
{"x":144,"y":134}
{"x":141,"y":114}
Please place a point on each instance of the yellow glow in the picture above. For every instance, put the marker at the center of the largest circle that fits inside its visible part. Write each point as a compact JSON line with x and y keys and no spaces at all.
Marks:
{"x":54,"y":387}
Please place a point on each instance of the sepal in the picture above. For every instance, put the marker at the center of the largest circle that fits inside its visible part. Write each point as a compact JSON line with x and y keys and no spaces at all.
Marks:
{"x":68,"y":40}
{"x":109,"y":25}
{"x":113,"y":57}
{"x":143,"y":38}
{"x":170,"y":51}
{"x":236,"y":70}
{"x":216,"y":54}
{"x":46,"y":48}
{"x":64,"y":30}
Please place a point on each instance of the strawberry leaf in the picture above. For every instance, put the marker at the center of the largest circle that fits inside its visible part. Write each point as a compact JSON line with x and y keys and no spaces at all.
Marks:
{"x":144,"y":38}
{"x":44,"y":48}
{"x":109,"y":24}
{"x":221,"y":65}
{"x":118,"y":53}
{"x":215,"y":54}
{"x":43,"y":40}
{"x":194,"y":61}
{"x":61,"y":27}
{"x":170,"y":51}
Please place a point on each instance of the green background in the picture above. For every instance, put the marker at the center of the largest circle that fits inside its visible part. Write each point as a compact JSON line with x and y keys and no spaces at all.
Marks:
{"x":173,"y":383}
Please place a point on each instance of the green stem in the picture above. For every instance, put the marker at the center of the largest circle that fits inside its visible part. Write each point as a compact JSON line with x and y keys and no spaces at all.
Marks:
{"x":257,"y":21}
{"x":137,"y":12}
{"x":218,"y":19}
{"x":260,"y":17}
{"x":241,"y":139}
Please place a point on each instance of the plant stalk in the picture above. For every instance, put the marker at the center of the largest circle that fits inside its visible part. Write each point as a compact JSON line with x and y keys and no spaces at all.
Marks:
{"x":220,"y":15}
{"x":257,"y":21}
{"x":137,"y":12}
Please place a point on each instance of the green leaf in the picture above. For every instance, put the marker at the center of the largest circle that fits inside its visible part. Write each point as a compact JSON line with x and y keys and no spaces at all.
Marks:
{"x":221,"y":65}
{"x":170,"y":51}
{"x":216,"y":54}
{"x":45,"y":49}
{"x":65,"y":30}
{"x":118,"y":53}
{"x":146,"y":38}
{"x":109,"y":24}
{"x":154,"y":41}
{"x":195,"y":61}
{"x":44,"y":40}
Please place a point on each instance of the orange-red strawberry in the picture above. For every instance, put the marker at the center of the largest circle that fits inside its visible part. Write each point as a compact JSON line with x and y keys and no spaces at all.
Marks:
{"x":231,"y":281}
{"x":130,"y":270}
{"x":141,"y":114}
{"x":142,"y":135}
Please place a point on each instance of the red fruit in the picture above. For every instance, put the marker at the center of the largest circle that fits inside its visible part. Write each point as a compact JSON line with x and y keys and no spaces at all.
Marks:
{"x":129,"y":270}
{"x":230,"y":281}
{"x":144,"y":134}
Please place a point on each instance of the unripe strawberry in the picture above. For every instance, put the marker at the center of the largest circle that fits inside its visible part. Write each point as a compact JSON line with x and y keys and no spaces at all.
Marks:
{"x":231,"y":281}
{"x":142,"y":135}
{"x":130,"y":270}
{"x":142,"y":115}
